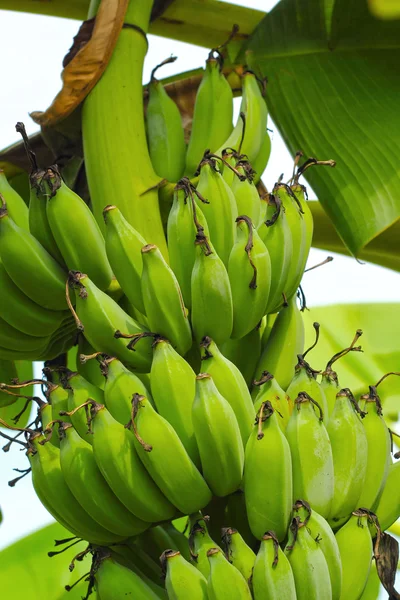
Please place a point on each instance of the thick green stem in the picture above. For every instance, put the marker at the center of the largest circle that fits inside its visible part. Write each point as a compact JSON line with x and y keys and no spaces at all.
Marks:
{"x":118,"y":165}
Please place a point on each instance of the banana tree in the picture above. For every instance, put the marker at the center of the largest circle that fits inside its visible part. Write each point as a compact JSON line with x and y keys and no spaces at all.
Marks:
{"x":331,"y":73}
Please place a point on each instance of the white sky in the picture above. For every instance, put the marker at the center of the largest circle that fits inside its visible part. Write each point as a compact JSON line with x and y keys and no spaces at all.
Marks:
{"x":32,"y":48}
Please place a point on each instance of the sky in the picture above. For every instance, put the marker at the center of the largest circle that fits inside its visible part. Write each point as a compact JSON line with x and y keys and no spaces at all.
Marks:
{"x":35,"y":46}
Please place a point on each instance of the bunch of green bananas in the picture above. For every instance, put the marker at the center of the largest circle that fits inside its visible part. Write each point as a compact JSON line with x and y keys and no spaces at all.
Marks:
{"x":192,"y":409}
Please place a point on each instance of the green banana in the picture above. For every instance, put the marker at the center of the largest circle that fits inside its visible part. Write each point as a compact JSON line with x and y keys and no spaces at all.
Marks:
{"x":185,"y":219}
{"x":30,"y":266}
{"x":137,"y":562}
{"x":238,"y":552}
{"x":349,"y":450}
{"x":212,"y":115}
{"x":248,"y":134}
{"x":75,"y":231}
{"x":387,"y":509}
{"x":297,"y":226}
{"x":268,"y":481}
{"x":220,"y":208}
{"x":218,"y":438}
{"x":372,"y":588}
{"x":123,"y":247}
{"x":87,"y":484}
{"x":304,"y":380}
{"x":249,"y":272}
{"x":212,"y":307}
{"x":267,"y":389}
{"x":245,"y":192}
{"x":230,"y":384}
{"x":312,"y":462}
{"x":244,"y":353}
{"x":173,"y":385}
{"x":356,"y":565}
{"x":260,"y":162}
{"x":329,"y":380}
{"x":15,"y":204}
{"x":322,"y":533}
{"x":117,"y":161}
{"x":79,"y":391}
{"x":119,"y":388}
{"x":45,"y":463}
{"x":155,"y":540}
{"x":225,"y":581}
{"x":8,"y":375}
{"x":300,"y":194}
{"x":57,"y":397}
{"x":101,"y":317}
{"x":285,"y":343}
{"x":115,"y":581}
{"x":89,"y":369}
{"x":200,"y":542}
{"x":182,"y":580}
{"x":309,"y":566}
{"x":179,"y":540}
{"x":13,"y":339}
{"x":165,"y":458}
{"x":162,"y":298}
{"x":272,"y":573}
{"x":165,"y":134}
{"x":276,"y":235}
{"x":236,"y":515}
{"x":118,"y":461}
{"x":378,"y":453}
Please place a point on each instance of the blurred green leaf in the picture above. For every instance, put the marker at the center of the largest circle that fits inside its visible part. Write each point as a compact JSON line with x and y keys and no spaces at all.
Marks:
{"x":333,"y":81}
{"x":27,"y":572}
{"x":380,"y":324}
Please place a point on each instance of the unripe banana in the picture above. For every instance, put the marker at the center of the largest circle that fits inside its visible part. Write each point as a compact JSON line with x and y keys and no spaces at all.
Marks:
{"x":8,"y":374}
{"x":245,"y":192}
{"x":269,"y":390}
{"x":249,"y":271}
{"x":182,"y":580}
{"x":268,"y":484}
{"x":212,"y":308}
{"x":165,"y":136}
{"x":230,"y":384}
{"x":57,"y":397}
{"x":309,"y":566}
{"x":248,"y":135}
{"x":16,"y":206}
{"x":259,"y":164}
{"x":212,"y":115}
{"x":163,"y":300}
{"x":89,"y":487}
{"x":244,"y":353}
{"x":76,"y":231}
{"x":123,"y":247}
{"x":304,"y":380}
{"x":300,"y":193}
{"x":15,"y":340}
{"x":173,"y":385}
{"x":165,"y":458}
{"x":238,"y":552}
{"x":220,"y":210}
{"x":119,"y":388}
{"x":200,"y":543}
{"x":140,"y":563}
{"x":185,"y":219}
{"x":388,"y":506}
{"x":24,"y":314}
{"x":276,"y":235}
{"x":349,"y":450}
{"x":89,"y":369}
{"x":101,"y":317}
{"x":378,"y":454}
{"x":218,"y":438}
{"x":311,"y":452}
{"x":119,"y":463}
{"x":115,"y":581}
{"x":322,"y":533}
{"x":30,"y":266}
{"x":236,"y":514}
{"x":272,"y":573}
{"x":373,"y":585}
{"x":355,"y":547}
{"x":80,"y":391}
{"x":225,"y":581}
{"x":285,"y":342}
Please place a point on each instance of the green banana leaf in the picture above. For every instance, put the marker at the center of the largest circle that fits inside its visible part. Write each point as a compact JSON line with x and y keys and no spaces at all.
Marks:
{"x":380,"y":324}
{"x":27,"y":572}
{"x":333,"y":81}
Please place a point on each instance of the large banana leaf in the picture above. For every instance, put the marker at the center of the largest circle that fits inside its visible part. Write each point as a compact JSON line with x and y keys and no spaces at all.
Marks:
{"x":333,"y":87}
{"x":27,"y":572}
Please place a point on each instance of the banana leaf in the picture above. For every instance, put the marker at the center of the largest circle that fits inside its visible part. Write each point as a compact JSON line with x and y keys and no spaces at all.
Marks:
{"x":332,"y":71}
